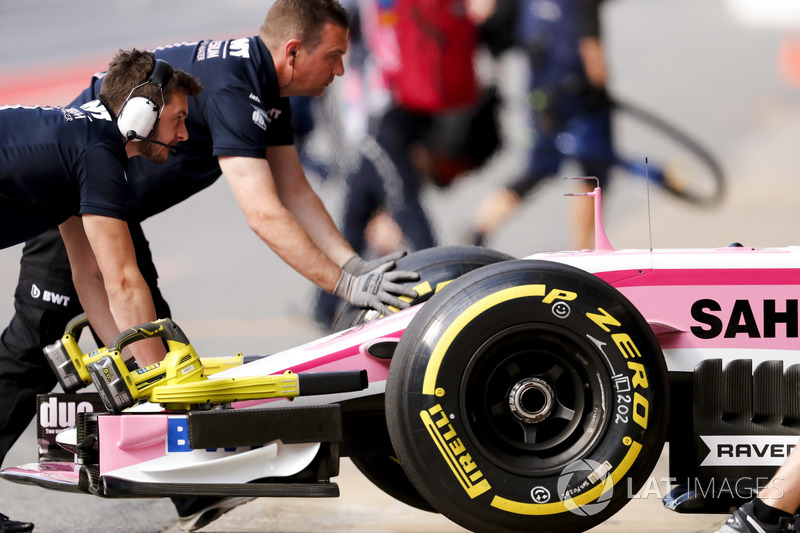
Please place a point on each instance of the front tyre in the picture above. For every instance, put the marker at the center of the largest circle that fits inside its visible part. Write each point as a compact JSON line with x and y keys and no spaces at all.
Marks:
{"x":527,"y":395}
{"x":436,"y":267}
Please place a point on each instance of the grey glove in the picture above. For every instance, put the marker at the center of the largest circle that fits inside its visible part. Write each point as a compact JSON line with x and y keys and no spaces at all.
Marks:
{"x":357,"y":266}
{"x":377,"y":288}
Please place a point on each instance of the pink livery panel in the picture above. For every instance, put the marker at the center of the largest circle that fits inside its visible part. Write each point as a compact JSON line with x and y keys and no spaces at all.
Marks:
{"x":732,"y":303}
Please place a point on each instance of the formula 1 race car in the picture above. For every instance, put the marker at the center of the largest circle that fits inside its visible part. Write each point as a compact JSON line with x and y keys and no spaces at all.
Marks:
{"x":527,"y":394}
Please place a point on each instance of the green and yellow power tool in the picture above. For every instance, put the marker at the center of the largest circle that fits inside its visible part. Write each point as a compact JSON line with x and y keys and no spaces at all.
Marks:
{"x":69,"y":362}
{"x":179,"y":382}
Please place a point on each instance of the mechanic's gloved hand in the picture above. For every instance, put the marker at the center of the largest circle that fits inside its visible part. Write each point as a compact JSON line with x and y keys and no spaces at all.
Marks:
{"x":357,"y":266}
{"x":377,"y":288}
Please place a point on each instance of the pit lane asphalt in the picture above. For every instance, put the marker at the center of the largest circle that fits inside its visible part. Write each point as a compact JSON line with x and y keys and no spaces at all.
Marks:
{"x":693,"y":63}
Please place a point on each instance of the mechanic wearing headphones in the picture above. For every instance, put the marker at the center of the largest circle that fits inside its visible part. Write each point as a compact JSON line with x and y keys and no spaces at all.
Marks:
{"x":65,"y":168}
{"x":240,"y":126}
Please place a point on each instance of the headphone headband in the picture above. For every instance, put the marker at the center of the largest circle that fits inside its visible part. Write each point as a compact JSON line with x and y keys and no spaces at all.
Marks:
{"x":162,"y":73}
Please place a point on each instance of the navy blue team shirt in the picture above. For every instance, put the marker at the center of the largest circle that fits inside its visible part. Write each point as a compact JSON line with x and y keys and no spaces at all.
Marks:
{"x":58,"y":162}
{"x":239,"y":113}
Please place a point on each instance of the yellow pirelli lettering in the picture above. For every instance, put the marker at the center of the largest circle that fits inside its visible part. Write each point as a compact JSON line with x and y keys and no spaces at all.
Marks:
{"x":626,"y":345}
{"x":639,"y":378}
{"x":421,"y":288}
{"x":641,"y":408}
{"x":558,"y":294}
{"x":469,"y":314}
{"x":603,"y":319}
{"x":589,"y":496}
{"x":454,"y":452}
{"x":443,"y":284}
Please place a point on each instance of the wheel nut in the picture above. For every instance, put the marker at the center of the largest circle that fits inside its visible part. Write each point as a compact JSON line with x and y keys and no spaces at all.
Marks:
{"x":531,"y":400}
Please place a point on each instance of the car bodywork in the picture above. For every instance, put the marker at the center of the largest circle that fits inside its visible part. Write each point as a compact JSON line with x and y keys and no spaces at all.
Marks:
{"x":726,"y":325}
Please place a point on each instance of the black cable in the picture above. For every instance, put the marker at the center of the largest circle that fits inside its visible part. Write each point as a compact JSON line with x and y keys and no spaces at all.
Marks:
{"x":681,"y":138}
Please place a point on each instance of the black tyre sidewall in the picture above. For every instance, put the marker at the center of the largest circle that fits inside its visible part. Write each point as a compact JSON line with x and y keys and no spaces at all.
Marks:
{"x":386,"y":473}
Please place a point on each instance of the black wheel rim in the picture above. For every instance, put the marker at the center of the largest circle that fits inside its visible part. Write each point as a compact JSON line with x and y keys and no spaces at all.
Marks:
{"x":558,"y":383}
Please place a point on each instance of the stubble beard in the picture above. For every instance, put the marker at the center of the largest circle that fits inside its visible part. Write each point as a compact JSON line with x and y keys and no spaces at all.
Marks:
{"x":153,"y":152}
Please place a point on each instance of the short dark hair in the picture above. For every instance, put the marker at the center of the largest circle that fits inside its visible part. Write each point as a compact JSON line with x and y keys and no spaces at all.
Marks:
{"x":301,"y":19}
{"x":130,"y":68}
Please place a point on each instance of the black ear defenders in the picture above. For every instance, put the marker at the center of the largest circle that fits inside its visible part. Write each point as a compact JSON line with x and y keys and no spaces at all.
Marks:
{"x":138,"y":117}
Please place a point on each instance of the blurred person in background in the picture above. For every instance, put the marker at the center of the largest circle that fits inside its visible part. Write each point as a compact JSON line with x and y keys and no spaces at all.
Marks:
{"x":425,"y":53}
{"x":571,"y":111}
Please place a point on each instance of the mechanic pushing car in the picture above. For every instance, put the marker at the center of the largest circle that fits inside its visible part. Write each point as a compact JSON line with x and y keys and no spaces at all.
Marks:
{"x":65,"y":168}
{"x":240,"y":126}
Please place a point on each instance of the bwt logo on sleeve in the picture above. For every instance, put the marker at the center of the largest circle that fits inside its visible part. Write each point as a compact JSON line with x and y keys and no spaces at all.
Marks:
{"x":49,"y":296}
